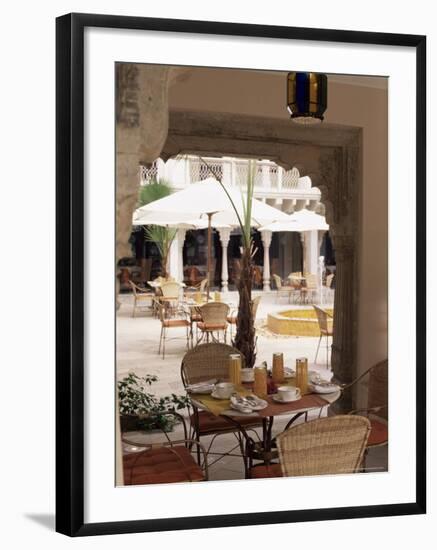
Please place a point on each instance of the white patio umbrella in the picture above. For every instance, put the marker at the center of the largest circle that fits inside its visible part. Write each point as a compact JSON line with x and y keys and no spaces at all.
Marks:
{"x":302,"y":220}
{"x":207,"y":201}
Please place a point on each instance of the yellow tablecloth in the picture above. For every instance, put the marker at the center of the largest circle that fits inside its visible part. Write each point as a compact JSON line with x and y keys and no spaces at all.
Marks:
{"x":218,"y":406}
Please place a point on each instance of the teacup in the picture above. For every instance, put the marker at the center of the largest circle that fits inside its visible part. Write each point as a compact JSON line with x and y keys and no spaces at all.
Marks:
{"x":247,"y":375}
{"x":288,"y":393}
{"x":224,"y":390}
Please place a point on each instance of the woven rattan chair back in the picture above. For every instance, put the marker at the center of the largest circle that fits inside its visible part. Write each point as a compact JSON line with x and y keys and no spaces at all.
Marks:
{"x":333,"y":445}
{"x":203,"y":283}
{"x":278,"y":281}
{"x":214,"y":313}
{"x":161,"y":311}
{"x":170,"y":289}
{"x":378,"y":388}
{"x":205,"y":362}
{"x":322,"y":319}
{"x":134,"y":288}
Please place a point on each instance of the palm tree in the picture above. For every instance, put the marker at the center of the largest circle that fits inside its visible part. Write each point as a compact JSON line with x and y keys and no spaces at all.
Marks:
{"x":163,"y":237}
{"x":245,"y":338}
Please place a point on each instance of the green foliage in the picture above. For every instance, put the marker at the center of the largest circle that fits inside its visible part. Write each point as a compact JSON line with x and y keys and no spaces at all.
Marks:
{"x":161,"y":236}
{"x":152,"y":411}
{"x":156,"y":189}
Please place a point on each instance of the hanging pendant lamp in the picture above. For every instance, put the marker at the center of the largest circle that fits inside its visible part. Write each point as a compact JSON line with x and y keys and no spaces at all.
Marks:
{"x":307,"y":97}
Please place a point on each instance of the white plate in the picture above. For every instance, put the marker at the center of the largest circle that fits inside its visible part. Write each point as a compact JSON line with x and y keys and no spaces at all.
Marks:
{"x":276,"y":398}
{"x":213,"y":394}
{"x":324,"y":389}
{"x":242,"y":410}
{"x":261,"y":405}
{"x":202,"y":389}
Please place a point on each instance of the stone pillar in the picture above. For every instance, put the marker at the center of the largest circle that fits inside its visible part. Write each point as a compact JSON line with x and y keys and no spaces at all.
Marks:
{"x":225,"y":233}
{"x":266,"y":237}
{"x":311,"y":251}
{"x":345,"y":321}
{"x":181,"y":240}
{"x":141,"y":130}
{"x":173,"y":259}
{"x":304,"y":253}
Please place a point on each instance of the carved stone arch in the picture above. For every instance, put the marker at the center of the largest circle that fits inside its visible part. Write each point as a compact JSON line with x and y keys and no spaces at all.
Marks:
{"x":331,"y":156}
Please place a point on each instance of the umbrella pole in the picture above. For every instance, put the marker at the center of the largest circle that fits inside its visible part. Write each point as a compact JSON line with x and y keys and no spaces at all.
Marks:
{"x":209,"y":254}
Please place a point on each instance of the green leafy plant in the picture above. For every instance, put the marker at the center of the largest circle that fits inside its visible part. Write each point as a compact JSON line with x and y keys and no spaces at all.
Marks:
{"x":245,"y":338}
{"x":163,"y":237}
{"x":154,"y":190}
{"x":140,"y":409}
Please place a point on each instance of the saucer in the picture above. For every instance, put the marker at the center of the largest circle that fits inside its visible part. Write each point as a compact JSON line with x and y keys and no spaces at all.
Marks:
{"x":324,"y":388}
{"x":277,"y":399}
{"x":214,"y":394}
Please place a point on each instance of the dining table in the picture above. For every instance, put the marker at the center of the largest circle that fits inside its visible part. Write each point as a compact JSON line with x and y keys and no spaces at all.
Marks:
{"x":264,"y":450}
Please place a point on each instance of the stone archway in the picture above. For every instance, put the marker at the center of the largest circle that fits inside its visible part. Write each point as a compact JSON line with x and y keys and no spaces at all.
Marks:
{"x":331,"y":156}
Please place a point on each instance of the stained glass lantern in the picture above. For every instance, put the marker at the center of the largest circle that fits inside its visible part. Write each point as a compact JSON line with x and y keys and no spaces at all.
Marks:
{"x":307,"y":97}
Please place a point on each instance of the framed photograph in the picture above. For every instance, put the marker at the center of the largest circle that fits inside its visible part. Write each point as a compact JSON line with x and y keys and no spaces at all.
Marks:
{"x":240,"y":274}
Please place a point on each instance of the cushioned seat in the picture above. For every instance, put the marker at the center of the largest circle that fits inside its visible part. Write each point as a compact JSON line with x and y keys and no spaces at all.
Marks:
{"x":378,"y":433}
{"x":262,"y":471}
{"x":176,"y":323}
{"x":209,"y":423}
{"x":211,"y":326}
{"x":161,"y":465}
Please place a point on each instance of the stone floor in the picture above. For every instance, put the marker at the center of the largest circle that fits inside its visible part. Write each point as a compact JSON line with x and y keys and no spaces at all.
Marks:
{"x":137,"y":351}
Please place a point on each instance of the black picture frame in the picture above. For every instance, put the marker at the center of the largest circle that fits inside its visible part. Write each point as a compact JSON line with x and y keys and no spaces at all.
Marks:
{"x":70,"y":272}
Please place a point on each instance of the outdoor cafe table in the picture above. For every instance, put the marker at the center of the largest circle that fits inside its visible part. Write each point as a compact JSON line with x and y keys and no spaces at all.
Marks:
{"x":307,"y":403}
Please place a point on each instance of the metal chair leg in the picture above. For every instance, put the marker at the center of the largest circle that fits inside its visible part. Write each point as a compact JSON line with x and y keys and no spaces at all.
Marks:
{"x":317,"y":352}
{"x":160,"y":341}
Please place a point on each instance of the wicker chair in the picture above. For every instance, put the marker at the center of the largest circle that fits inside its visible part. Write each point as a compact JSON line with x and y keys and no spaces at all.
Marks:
{"x":181,"y":321}
{"x":309,"y":288}
{"x":214,"y":320}
{"x":333,"y":445}
{"x":281,"y":289}
{"x":166,"y":462}
{"x":326,"y":329}
{"x":140,"y":296}
{"x":376,"y":380}
{"x":206,"y":362}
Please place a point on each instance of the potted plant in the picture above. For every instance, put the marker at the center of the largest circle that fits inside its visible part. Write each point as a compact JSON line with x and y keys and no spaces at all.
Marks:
{"x":141,"y":410}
